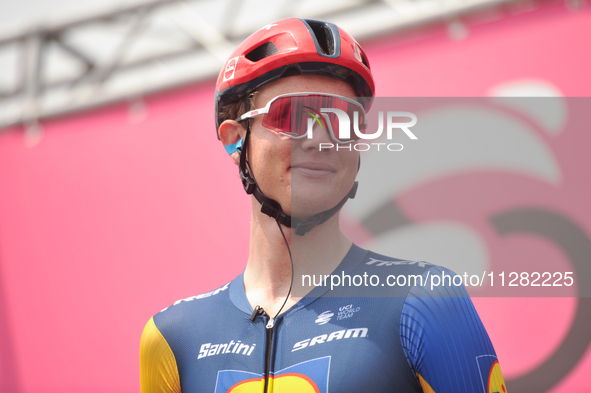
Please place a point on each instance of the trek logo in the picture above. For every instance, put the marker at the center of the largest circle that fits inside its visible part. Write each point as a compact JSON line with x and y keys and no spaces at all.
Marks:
{"x":324,"y":338}
{"x":324,"y":317}
{"x":203,"y":295}
{"x":268,"y":27}
{"x":210,"y":349}
{"x":377,"y":262}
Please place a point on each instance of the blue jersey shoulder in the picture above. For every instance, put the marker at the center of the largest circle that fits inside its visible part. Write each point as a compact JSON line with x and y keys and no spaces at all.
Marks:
{"x":443,"y":337}
{"x":201,"y":296}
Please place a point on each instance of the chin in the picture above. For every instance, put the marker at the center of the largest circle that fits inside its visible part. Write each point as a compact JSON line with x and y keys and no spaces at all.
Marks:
{"x":313,"y":203}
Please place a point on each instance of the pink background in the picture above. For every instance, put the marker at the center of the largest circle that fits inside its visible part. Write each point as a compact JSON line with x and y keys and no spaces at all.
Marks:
{"x":115,"y":214}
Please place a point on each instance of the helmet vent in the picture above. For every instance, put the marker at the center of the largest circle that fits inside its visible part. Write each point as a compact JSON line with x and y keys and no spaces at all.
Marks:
{"x":364,"y":60}
{"x":262,"y":51}
{"x":323,"y":35}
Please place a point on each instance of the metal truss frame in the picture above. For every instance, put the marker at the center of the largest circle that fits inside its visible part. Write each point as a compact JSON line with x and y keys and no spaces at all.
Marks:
{"x":152,"y":45}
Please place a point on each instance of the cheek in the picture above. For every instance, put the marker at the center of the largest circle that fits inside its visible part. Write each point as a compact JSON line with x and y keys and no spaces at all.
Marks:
{"x":270,"y":161}
{"x":276,"y":157}
{"x":351,"y":162}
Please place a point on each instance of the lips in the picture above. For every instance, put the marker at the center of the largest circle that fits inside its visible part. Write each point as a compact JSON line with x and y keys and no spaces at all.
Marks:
{"x":318,"y":166}
{"x":315,"y":169}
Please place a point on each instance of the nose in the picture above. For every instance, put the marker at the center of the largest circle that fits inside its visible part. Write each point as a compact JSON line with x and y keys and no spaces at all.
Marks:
{"x":316,"y":136}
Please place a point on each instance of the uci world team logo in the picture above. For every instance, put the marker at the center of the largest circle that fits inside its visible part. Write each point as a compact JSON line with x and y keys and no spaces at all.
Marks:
{"x":307,"y":377}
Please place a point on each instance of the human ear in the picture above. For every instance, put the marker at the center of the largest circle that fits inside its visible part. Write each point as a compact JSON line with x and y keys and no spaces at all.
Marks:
{"x":231,"y":133}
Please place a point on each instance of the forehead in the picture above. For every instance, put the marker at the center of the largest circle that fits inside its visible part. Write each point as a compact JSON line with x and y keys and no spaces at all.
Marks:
{"x":303,"y":83}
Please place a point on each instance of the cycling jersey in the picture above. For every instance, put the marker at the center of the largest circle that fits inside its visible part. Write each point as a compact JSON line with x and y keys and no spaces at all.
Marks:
{"x":385,"y":329}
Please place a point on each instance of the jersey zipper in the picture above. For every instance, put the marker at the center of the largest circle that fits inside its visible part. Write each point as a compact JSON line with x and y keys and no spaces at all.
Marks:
{"x":269,"y":353}
{"x":269,"y":348}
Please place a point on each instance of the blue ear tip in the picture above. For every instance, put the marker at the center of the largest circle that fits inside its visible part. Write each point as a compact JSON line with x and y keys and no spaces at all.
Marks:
{"x":232,"y":148}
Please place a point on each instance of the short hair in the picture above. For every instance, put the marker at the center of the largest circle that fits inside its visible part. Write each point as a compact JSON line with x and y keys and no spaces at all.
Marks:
{"x":235,"y":109}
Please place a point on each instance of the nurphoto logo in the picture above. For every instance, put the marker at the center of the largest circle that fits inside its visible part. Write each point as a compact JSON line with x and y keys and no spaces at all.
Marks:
{"x":394,"y":120}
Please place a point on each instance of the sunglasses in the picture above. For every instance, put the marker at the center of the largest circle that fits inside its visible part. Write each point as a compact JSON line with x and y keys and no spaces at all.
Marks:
{"x":297,"y":114}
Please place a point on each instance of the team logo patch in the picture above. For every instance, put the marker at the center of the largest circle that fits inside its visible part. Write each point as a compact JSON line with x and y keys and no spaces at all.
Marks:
{"x":307,"y":377}
{"x":496,"y":382}
{"x":230,"y":69}
{"x":490,"y":374}
{"x":324,"y":317}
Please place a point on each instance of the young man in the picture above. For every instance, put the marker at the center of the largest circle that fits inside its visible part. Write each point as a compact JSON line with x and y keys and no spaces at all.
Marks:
{"x":270,"y":330}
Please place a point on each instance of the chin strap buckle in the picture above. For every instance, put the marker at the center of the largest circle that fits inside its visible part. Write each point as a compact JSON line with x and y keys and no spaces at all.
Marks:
{"x":303,"y":227}
{"x":269,"y":208}
{"x":248,"y":183}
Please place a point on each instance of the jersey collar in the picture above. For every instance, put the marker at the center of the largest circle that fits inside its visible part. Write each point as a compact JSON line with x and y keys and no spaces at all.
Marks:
{"x":237,"y":294}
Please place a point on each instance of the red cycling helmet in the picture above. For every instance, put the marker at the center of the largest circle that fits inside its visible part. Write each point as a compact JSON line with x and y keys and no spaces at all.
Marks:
{"x":289,"y":47}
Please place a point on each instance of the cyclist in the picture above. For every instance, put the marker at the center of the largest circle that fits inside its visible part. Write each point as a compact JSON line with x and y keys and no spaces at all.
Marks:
{"x":271,"y":330}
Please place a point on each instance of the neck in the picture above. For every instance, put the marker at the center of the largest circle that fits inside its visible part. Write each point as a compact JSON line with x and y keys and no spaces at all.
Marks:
{"x":267,"y":275}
